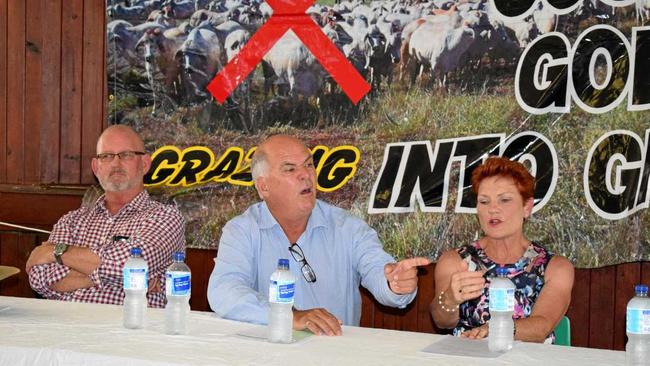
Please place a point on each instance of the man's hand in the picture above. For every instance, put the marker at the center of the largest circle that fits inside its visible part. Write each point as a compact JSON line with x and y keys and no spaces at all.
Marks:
{"x":318,"y":321}
{"x":42,"y":254}
{"x":402,"y":276}
{"x":155,"y":286}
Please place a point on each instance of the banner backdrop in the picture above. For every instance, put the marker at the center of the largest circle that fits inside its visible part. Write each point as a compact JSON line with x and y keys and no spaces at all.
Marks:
{"x":399,"y":102}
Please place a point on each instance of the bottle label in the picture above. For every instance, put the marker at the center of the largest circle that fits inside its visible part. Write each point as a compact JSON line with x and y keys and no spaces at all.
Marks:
{"x":638,"y":321}
{"x":502,"y":299}
{"x":281,"y":291}
{"x":177,"y":283}
{"x":135,"y":278}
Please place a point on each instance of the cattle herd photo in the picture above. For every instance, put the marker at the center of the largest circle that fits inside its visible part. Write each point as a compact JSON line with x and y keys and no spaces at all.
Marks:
{"x":437,"y":70}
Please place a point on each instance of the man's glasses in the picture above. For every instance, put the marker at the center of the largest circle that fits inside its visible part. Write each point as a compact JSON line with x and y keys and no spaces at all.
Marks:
{"x":305,"y":268}
{"x":124,"y":155}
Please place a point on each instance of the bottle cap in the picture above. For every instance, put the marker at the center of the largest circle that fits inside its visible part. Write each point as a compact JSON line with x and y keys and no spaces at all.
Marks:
{"x":136,"y":252}
{"x":178,"y":257}
{"x":641,"y":289}
{"x":283,"y":263}
{"x":502,"y":271}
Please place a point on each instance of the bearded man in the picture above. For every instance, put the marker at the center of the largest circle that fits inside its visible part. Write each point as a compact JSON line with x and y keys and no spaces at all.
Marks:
{"x":83,"y":258}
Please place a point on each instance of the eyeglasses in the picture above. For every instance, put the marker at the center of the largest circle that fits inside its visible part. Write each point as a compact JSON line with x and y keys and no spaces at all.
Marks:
{"x":124,"y":155}
{"x":305,"y":268}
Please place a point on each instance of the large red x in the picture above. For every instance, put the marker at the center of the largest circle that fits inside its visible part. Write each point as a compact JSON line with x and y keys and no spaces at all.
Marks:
{"x":289,"y":14}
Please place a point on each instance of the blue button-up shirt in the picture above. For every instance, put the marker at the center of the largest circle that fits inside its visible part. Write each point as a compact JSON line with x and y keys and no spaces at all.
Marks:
{"x":342,"y":250}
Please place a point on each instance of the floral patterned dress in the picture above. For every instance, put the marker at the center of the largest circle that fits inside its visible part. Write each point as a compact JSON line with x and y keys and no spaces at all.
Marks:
{"x":527,"y":274}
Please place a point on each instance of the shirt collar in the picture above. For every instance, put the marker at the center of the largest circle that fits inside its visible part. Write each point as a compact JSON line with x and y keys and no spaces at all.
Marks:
{"x":316,"y":219}
{"x":138,"y":203}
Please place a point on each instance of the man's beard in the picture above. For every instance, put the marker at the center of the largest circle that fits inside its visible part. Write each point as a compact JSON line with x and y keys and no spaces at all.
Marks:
{"x":116,"y":186}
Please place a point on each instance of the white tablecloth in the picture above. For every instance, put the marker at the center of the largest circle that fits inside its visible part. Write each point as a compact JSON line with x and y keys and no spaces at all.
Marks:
{"x":45,"y":332}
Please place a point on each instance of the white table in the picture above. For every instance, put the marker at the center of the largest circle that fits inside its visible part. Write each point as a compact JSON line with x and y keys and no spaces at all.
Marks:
{"x":45,"y":332}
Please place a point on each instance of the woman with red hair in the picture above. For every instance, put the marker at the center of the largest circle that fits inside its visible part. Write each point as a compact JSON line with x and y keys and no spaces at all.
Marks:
{"x":504,"y":201}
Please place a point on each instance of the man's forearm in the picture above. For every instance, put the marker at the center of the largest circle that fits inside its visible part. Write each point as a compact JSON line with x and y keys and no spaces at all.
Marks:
{"x":73,"y":281}
{"x":82,"y":260}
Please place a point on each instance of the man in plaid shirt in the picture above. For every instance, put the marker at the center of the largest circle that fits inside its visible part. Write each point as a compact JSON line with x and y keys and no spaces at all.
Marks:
{"x":83,"y":258}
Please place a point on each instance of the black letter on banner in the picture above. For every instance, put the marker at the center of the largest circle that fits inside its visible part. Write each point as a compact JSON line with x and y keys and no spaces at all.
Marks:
{"x":383,"y":190}
{"x":171,"y":157}
{"x":563,"y":6}
{"x":612,"y":174}
{"x":513,"y":9}
{"x":473,"y":151}
{"x":317,"y":154}
{"x":226,"y":166}
{"x":543,"y":160}
{"x":607,"y":43}
{"x":643,"y":187}
{"x":430,"y":181}
{"x":190,"y":169}
{"x":339,"y":173}
{"x":542,"y":74}
{"x":639,"y":100}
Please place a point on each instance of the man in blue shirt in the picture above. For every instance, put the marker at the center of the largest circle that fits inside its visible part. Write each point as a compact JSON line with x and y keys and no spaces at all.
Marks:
{"x":341,"y":251}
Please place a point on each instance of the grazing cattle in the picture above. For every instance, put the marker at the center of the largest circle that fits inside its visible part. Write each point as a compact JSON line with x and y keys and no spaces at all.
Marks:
{"x":385,"y":42}
{"x":294,"y":69}
{"x":120,"y":11}
{"x":202,"y":17}
{"x":179,"y":10}
{"x":159,"y":48}
{"x":201,"y":57}
{"x":122,"y":39}
{"x":439,"y":46}
{"x":642,"y":8}
{"x":235,"y":41}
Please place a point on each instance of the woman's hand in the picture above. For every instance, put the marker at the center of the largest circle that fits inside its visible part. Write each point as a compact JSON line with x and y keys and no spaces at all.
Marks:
{"x":465,"y":285}
{"x":476,"y":333}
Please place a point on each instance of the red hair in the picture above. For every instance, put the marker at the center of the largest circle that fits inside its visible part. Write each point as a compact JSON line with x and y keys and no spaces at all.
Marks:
{"x":504,"y":167}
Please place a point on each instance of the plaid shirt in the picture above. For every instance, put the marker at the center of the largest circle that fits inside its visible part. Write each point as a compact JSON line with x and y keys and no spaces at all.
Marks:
{"x":157,"y":228}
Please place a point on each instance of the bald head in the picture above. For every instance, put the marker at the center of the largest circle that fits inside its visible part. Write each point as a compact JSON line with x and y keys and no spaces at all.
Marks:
{"x":122,"y":133}
{"x":275,"y":143}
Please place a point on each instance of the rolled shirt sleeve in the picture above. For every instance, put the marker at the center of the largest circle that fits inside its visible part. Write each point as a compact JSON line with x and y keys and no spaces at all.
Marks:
{"x":43,"y":276}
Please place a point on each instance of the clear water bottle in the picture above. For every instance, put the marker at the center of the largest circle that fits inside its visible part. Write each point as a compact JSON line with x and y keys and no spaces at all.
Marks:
{"x":135,"y":275}
{"x":502,"y":306}
{"x":281,"y":290}
{"x":178,"y":287}
{"x":637,"y":349}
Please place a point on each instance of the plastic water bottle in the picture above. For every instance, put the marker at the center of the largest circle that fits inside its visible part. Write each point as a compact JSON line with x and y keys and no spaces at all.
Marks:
{"x":637,"y":349}
{"x":135,"y":274}
{"x":502,"y":305}
{"x":178,"y":286}
{"x":281,"y":290}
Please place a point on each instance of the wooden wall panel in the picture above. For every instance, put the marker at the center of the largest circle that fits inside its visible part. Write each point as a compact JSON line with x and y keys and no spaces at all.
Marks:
{"x":601,"y":308}
{"x":201,"y":263}
{"x":71,"y":90}
{"x":33,"y":91}
{"x":578,"y":311}
{"x":51,"y":98}
{"x":627,"y":275}
{"x":94,"y":30}
{"x":14,"y":251}
{"x":426,"y":290}
{"x":16,"y":90}
{"x":3,"y":90}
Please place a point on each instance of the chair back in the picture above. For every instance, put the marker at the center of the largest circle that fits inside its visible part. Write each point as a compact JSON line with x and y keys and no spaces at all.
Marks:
{"x":563,"y":332}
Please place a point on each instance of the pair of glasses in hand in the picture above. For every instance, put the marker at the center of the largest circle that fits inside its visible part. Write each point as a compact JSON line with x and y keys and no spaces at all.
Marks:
{"x":305,"y":268}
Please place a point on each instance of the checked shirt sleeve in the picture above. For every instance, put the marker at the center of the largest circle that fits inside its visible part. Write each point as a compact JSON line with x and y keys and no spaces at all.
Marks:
{"x":41,"y":277}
